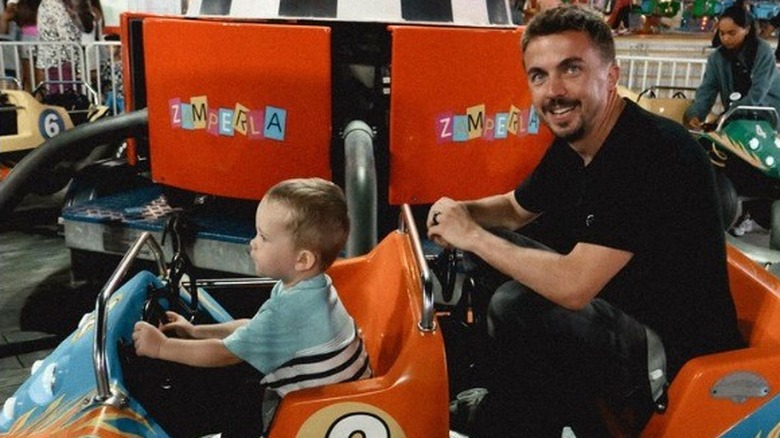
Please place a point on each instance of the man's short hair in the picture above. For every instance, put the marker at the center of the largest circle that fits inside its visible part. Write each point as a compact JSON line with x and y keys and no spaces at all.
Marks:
{"x":318,"y":219}
{"x":572,"y":18}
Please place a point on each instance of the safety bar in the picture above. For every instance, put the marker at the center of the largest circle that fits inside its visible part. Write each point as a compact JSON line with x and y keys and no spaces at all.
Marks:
{"x":406,"y":224}
{"x":4,"y":79}
{"x":653,"y":88}
{"x":228,"y":283}
{"x":90,"y":92}
{"x":99,"y":361}
{"x":360,"y":187}
{"x":724,"y":118}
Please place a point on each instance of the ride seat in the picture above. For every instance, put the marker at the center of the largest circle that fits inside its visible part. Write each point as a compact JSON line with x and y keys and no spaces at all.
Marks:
{"x":756,"y":295}
{"x":672,"y":108}
{"x":697,"y":407}
{"x":255,"y":109}
{"x":409,"y":389}
{"x":461,"y":120}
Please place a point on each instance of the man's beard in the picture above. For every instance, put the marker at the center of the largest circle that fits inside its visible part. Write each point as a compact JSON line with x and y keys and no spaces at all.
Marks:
{"x":575,"y":135}
{"x":551,"y":105}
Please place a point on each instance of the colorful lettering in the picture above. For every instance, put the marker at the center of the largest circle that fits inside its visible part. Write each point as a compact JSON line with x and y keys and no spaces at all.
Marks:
{"x":475,"y":119}
{"x":225,"y":121}
{"x":256,"y":119}
{"x":175,"y":108}
{"x":502,"y":120}
{"x":186,"y":116}
{"x":239,"y":118}
{"x":268,"y":122}
{"x":460,"y":128}
{"x":444,"y":127}
{"x":212,"y":127}
{"x":275,"y":120}
{"x":200,"y":107}
{"x":476,"y":123}
{"x":533,"y":121}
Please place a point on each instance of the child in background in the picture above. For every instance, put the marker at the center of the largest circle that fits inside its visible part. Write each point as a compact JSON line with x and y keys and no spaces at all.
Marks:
{"x":111,"y":77}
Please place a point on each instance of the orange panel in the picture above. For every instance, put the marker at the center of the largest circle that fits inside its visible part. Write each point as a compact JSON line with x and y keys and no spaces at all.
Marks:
{"x":461,"y":121}
{"x":236,"y":107}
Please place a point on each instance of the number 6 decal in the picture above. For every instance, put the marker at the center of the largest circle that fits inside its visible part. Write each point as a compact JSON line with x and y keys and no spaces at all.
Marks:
{"x":50,"y":123}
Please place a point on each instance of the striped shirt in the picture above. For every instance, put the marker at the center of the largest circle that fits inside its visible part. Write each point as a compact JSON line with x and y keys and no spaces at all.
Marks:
{"x":302,"y":337}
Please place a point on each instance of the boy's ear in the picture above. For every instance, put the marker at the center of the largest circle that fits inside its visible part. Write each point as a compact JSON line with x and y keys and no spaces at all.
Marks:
{"x":307,"y":260}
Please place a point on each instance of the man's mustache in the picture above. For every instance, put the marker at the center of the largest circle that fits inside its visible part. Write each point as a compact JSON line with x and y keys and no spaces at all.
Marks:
{"x":555,"y":103}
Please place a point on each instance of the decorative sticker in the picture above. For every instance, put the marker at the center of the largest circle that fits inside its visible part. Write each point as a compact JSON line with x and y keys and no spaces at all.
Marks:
{"x":50,"y":123}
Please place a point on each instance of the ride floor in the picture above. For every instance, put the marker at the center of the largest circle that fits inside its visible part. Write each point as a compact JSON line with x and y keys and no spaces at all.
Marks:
{"x":39,"y":304}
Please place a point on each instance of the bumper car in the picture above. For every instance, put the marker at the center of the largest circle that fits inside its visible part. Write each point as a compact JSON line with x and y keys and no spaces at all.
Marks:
{"x":743,"y":146}
{"x":81,"y":388}
{"x":26,"y":122}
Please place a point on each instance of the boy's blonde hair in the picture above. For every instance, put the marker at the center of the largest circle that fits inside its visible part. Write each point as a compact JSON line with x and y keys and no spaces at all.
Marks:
{"x":318,"y":217}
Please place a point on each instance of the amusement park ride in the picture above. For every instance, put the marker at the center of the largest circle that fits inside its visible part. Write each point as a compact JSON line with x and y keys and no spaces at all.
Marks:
{"x":399,"y":103}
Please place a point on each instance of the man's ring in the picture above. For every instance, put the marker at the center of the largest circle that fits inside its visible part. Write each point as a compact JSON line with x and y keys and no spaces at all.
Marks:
{"x":435,"y":218}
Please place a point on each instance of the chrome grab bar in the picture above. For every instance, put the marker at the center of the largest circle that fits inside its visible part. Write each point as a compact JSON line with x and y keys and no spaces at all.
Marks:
{"x":231,"y":282}
{"x":725,"y":117}
{"x":406,"y":224}
{"x":104,"y":394}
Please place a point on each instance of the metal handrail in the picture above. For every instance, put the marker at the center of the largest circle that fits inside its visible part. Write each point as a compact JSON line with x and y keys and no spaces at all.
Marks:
{"x":231,"y":282}
{"x":104,"y":394}
{"x":724,"y":118}
{"x":406,"y":224}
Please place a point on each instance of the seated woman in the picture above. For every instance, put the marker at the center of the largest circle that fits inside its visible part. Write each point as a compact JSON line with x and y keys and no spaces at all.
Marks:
{"x":742,"y":70}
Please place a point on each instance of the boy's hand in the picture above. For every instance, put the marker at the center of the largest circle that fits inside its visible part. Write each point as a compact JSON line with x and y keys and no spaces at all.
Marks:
{"x":179,"y":325}
{"x":147,"y":340}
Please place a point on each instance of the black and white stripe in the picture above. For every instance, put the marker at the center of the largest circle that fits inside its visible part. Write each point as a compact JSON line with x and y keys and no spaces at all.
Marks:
{"x":455,"y":12}
{"x":342,"y":365}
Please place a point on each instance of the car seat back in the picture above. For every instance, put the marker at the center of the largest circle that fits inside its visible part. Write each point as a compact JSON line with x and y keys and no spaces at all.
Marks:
{"x":408,"y":393}
{"x":234,"y":109}
{"x":461,"y":120}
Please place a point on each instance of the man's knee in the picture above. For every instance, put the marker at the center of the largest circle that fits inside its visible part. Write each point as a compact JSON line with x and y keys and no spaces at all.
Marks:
{"x":508,"y":309}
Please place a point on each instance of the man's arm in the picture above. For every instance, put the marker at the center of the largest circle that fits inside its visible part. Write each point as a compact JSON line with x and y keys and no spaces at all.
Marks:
{"x":492,"y":212}
{"x":570,"y":280}
{"x":499,"y":211}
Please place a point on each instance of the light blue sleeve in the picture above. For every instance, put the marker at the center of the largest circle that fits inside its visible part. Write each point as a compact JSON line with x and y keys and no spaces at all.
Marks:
{"x":264,"y":341}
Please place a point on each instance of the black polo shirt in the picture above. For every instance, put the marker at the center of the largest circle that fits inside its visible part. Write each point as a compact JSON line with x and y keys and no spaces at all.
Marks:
{"x":649,"y":190}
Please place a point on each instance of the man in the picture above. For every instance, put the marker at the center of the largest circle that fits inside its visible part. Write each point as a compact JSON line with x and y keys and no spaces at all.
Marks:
{"x":641,"y":270}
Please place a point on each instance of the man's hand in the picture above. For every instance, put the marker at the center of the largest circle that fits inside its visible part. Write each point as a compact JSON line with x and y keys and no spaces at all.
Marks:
{"x":147,"y":339}
{"x":450,"y":224}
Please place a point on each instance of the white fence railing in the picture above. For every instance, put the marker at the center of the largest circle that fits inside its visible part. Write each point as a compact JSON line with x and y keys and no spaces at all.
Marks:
{"x":94,"y":69}
{"x":103,"y":81}
{"x":639,"y":73}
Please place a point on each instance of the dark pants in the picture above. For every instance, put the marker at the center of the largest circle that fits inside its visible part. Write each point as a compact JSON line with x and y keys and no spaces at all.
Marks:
{"x":192,"y":402}
{"x":554,"y":365}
